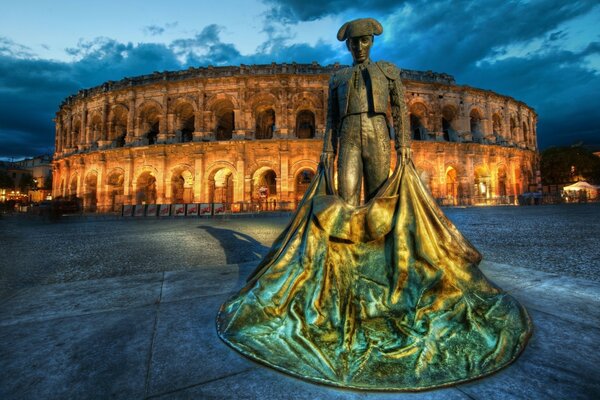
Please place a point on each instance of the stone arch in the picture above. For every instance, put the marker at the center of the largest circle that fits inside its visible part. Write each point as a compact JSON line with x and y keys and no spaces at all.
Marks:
{"x":145,"y":186}
{"x":525,"y":131}
{"x":90,"y":191}
{"x":224,"y":118}
{"x":418,"y":114}
{"x":502,"y":181}
{"x":149,"y":114}
{"x":221,"y":183}
{"x":481,"y":183}
{"x":185,"y":119}
{"x":302,"y":180}
{"x":219,"y":97}
{"x":452,"y":185}
{"x":514,"y":129}
{"x":73,"y":185}
{"x":305,"y":124}
{"x":264,"y":185}
{"x":265,"y":117}
{"x":117,"y":128}
{"x":95,"y":126}
{"x":115,"y":188}
{"x":76,"y":137}
{"x":62,"y":187}
{"x":181,"y":184}
{"x":476,"y":124}
{"x":449,"y":118}
{"x":305,"y":100}
{"x":497,"y":128}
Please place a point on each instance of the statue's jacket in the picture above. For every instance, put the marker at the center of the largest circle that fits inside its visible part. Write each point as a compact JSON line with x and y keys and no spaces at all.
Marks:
{"x":385,"y":89}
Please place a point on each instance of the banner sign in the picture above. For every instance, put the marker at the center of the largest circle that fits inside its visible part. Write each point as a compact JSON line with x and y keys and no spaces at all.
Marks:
{"x":165,"y":210}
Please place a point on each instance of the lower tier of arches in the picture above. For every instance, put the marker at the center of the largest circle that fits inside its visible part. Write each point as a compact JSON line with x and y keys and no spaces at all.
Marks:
{"x":274,"y":171}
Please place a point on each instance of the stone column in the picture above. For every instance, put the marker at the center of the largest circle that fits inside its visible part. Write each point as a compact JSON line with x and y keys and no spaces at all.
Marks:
{"x":128,"y":183}
{"x":198,"y":176}
{"x":101,"y":196}
{"x":283,"y":178}
{"x":161,"y":179}
{"x":84,"y":139}
{"x":131,"y":135}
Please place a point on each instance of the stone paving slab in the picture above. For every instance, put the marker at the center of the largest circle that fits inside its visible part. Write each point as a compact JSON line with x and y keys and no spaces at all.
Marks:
{"x":98,"y":355}
{"x":81,"y":297}
{"x":154,"y":336}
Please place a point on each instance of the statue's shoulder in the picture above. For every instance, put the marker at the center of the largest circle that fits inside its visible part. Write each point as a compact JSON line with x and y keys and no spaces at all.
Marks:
{"x":341,"y":75}
{"x":389,"y":69}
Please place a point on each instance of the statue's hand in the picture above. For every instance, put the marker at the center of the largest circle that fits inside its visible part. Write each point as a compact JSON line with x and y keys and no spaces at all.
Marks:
{"x":403,"y":153}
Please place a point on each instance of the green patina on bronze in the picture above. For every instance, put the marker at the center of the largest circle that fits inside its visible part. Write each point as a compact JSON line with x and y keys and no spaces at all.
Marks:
{"x":381,"y":296}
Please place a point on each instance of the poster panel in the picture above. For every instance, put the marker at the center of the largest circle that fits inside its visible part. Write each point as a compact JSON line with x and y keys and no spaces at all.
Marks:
{"x":219,"y":208}
{"x":205,"y":209}
{"x":192,"y":209}
{"x":179,"y":210}
{"x":151,"y":210}
{"x":127,"y":210}
{"x":164,"y":210}
{"x":139,"y":210}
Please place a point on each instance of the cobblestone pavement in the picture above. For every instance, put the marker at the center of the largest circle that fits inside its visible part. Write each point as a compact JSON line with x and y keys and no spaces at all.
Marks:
{"x":561,"y":239}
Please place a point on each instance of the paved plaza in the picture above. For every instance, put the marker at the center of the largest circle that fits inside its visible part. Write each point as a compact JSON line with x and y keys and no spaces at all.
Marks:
{"x":112,"y":307}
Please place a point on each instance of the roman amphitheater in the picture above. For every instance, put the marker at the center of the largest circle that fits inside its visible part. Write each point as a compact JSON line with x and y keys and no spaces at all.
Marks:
{"x":250,"y":137}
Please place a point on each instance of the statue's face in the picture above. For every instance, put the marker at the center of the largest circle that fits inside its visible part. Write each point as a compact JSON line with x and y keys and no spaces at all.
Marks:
{"x":360,"y":47}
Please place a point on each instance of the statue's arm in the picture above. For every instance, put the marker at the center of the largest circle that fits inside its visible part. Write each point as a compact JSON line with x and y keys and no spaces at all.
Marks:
{"x":331,"y":134}
{"x":400,"y":117}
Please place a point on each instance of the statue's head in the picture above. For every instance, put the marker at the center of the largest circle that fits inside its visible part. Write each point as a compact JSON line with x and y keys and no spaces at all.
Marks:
{"x":359,"y":35}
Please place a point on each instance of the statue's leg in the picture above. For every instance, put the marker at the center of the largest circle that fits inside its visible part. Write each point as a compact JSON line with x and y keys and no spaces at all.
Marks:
{"x":349,"y":161}
{"x":375,"y":153}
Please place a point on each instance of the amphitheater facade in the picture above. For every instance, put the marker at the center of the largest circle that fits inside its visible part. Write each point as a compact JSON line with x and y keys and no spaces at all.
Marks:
{"x":251,"y":136}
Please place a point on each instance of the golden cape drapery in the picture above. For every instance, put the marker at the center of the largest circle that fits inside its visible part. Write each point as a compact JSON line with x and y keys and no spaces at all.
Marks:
{"x":384,"y":296}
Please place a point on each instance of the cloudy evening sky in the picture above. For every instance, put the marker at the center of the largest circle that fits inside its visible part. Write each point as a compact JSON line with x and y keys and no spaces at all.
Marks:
{"x":545,"y":53}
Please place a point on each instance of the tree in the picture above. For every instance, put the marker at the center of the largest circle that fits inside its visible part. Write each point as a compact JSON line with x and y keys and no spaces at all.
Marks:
{"x":27,"y":182}
{"x":560,"y":165}
{"x":6,"y":182}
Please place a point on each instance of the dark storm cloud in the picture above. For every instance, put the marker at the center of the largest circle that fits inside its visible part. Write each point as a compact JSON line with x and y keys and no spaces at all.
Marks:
{"x":31,"y":89}
{"x":474,"y":41}
{"x":309,"y":10}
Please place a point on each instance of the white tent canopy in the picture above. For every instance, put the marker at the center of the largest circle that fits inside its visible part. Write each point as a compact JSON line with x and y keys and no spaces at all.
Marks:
{"x":581,"y":185}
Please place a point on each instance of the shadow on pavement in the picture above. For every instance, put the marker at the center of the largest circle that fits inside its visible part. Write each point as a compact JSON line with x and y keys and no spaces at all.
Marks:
{"x":238,"y":247}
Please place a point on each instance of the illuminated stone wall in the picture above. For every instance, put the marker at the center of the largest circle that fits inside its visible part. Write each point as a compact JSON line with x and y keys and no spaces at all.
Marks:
{"x":219,"y":134}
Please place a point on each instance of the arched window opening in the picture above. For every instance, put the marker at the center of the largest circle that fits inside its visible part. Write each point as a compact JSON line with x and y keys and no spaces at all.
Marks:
{"x":416,"y":127}
{"x":265,"y":124}
{"x":146,"y":189}
{"x":95,"y":128}
{"x":184,"y":122}
{"x":513,"y":130}
{"x":150,"y":124}
{"x":502,"y":182}
{"x":448,"y":118}
{"x":303,"y":180}
{"x":481,"y":185}
{"x":221,"y":187}
{"x":75,"y":133}
{"x":305,"y":124}
{"x":451,"y":185}
{"x":525,"y":133}
{"x":90,"y":199}
{"x":476,"y":126}
{"x":418,"y":115}
{"x":181,"y":187}
{"x":187,"y":130}
{"x":497,"y":128}
{"x":224,"y":120}
{"x":118,"y":126}
{"x":73,"y":187}
{"x":115,"y":191}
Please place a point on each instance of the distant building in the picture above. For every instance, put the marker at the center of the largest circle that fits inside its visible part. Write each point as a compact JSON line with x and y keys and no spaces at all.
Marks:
{"x":38,"y":168}
{"x":251,"y":134}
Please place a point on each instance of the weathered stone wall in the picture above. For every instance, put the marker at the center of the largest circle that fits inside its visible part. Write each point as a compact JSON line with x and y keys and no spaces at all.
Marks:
{"x":218,"y":134}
